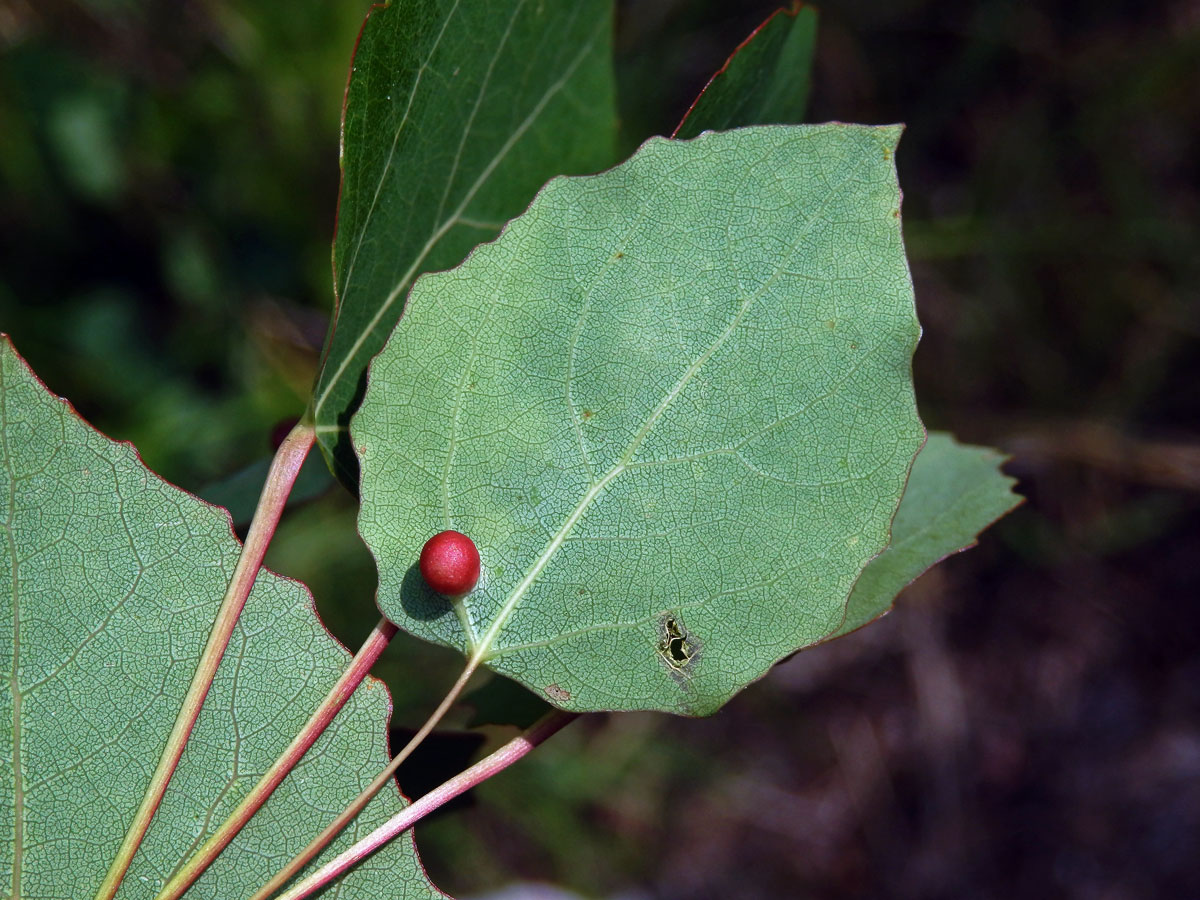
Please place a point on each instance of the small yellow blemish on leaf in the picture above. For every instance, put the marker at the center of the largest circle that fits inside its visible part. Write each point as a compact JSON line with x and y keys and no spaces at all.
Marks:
{"x":554,"y":692}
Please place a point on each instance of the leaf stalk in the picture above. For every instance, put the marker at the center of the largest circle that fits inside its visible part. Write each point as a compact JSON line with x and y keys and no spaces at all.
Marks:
{"x":342,"y":690}
{"x":334,"y":828}
{"x":282,"y":475}
{"x":490,"y":765}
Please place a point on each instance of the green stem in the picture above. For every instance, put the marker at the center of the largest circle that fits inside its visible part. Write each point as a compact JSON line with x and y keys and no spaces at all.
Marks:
{"x":284,"y":468}
{"x":484,"y":769}
{"x":298,"y":862}
{"x":316,"y":725}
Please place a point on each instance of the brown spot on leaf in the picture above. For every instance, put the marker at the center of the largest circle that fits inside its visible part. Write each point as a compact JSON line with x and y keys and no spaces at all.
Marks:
{"x":557,"y":694}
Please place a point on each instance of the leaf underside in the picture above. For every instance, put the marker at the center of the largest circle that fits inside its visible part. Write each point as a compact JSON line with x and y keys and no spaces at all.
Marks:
{"x":672,"y":404}
{"x":457,"y":112}
{"x":954,"y":492}
{"x":115,"y":579}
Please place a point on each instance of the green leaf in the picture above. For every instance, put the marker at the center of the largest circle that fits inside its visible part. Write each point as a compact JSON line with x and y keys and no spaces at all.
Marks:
{"x":954,"y":492}
{"x":115,"y":578}
{"x":765,"y":82}
{"x":456,"y":114}
{"x":673,"y":406}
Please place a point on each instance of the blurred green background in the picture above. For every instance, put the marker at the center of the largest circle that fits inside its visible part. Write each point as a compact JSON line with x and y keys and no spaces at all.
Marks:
{"x":1027,"y":723}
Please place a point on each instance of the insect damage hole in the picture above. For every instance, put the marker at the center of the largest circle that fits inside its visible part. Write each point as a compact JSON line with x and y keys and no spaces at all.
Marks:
{"x":676,"y":645}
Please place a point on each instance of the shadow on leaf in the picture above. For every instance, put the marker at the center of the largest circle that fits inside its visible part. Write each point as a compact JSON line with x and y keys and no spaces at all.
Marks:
{"x":418,"y":600}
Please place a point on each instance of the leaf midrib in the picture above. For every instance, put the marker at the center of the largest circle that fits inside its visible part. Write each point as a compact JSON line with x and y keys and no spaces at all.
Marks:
{"x":481,"y":649}
{"x":387,"y":166}
{"x":480,"y":652}
{"x":449,"y":223}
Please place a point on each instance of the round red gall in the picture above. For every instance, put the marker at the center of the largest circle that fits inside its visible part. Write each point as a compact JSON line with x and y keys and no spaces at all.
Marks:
{"x":450,"y":563}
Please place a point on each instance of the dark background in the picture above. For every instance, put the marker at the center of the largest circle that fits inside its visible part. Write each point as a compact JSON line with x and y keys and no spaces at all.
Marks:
{"x":1027,"y":723}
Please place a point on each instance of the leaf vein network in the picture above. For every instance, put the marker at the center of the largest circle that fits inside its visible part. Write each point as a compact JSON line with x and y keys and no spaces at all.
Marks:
{"x":441,"y":231}
{"x":483,"y":649}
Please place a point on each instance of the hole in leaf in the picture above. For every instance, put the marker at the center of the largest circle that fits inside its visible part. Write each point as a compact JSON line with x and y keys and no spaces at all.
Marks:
{"x":678,"y":651}
{"x":677,"y":645}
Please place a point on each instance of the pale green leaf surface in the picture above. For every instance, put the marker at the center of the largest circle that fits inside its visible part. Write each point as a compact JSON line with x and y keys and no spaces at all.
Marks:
{"x":457,"y":112}
{"x":114,"y":578}
{"x":954,"y":492}
{"x":765,"y":82}
{"x":672,"y":404}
